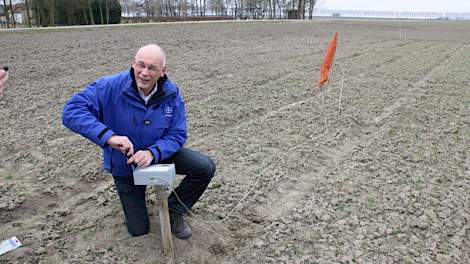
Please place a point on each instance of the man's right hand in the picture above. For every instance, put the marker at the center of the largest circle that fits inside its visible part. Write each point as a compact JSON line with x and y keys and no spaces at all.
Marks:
{"x":121,"y":143}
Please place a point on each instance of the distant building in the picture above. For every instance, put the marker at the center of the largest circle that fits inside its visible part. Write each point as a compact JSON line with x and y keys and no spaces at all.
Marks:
{"x":19,"y":14}
{"x":3,"y":18}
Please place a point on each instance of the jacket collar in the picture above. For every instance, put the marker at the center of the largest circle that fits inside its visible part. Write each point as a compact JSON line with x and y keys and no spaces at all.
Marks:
{"x":164,"y":89}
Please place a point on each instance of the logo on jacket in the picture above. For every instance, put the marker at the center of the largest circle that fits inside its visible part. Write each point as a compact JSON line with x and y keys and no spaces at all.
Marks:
{"x":168,"y":111}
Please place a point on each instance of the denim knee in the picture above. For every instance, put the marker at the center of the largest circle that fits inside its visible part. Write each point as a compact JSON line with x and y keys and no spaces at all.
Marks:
{"x":209,"y":168}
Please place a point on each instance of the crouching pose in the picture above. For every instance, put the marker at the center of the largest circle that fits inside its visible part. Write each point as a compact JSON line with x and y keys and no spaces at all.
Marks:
{"x":138,"y":118}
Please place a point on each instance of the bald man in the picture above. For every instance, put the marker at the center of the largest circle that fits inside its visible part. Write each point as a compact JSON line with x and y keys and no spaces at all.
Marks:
{"x":138,"y":118}
{"x":3,"y":79}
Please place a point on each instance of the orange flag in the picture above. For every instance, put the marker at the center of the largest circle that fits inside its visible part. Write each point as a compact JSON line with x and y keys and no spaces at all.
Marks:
{"x":328,"y":62}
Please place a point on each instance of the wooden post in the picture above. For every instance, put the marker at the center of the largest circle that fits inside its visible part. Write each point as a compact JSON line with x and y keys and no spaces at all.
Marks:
{"x":162,"y":200}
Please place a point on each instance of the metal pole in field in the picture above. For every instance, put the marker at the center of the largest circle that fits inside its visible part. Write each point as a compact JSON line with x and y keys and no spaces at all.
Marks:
{"x":399,"y":28}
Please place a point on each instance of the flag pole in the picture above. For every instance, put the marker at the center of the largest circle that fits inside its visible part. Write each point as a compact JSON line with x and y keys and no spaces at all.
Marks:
{"x":325,"y":71}
{"x":325,"y":129}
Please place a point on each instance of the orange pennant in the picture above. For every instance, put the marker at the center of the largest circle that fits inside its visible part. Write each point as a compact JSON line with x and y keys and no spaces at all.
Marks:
{"x":328,"y":62}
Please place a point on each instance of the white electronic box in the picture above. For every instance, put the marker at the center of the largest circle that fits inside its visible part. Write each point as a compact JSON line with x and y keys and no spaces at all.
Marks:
{"x":158,"y":174}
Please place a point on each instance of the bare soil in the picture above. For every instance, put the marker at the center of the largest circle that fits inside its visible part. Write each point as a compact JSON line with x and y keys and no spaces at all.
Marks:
{"x":384,"y":180}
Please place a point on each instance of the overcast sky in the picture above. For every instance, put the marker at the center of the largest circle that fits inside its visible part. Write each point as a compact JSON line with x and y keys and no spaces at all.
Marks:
{"x":399,"y":5}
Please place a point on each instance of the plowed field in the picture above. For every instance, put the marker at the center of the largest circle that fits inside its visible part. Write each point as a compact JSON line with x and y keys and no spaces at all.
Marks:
{"x":374,"y":168}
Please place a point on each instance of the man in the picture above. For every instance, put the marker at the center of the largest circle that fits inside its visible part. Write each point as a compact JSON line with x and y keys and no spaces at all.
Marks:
{"x":3,"y":79}
{"x":138,"y":118}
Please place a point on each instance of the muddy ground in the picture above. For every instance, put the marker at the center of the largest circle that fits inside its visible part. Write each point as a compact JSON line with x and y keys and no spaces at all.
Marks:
{"x":372,"y":169}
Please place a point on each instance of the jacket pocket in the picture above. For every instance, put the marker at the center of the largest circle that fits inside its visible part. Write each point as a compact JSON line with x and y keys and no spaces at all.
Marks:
{"x":153,"y":132}
{"x":117,"y":159}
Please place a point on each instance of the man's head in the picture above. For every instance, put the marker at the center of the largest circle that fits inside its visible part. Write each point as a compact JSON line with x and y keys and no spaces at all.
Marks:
{"x":149,"y":66}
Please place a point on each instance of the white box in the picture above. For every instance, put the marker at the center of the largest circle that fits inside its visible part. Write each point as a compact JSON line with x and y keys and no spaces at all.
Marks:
{"x":9,"y":244}
{"x":158,"y":174}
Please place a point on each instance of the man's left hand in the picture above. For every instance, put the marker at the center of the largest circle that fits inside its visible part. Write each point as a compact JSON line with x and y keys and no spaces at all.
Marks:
{"x":141,"y":158}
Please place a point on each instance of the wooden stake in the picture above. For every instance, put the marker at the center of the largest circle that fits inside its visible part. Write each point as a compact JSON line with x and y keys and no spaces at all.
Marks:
{"x":341,"y":91}
{"x":162,"y":200}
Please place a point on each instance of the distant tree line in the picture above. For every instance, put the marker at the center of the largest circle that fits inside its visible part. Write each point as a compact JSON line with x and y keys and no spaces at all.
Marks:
{"x":44,"y":13}
{"x":62,"y":12}
{"x":76,"y":12}
{"x":254,"y":9}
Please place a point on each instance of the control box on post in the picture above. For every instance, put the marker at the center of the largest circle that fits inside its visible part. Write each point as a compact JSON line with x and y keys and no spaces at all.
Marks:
{"x":158,"y":174}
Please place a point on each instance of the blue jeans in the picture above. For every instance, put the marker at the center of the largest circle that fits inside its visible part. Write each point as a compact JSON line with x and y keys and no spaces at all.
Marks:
{"x":199,"y":170}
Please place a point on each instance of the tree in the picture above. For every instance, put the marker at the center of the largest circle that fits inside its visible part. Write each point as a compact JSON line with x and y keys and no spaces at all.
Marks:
{"x":114,"y":12}
{"x":28,"y":16}
{"x":6,"y":10}
{"x":216,"y":6}
{"x":76,"y":12}
{"x":37,"y":13}
{"x":92,"y":19}
{"x":101,"y":12}
{"x":51,"y":13}
{"x":107,"y":11}
{"x":310,"y":8}
{"x":301,"y":9}
{"x":12,"y":15}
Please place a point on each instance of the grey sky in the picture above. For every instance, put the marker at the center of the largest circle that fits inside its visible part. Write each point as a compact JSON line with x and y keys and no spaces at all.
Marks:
{"x":399,"y":5}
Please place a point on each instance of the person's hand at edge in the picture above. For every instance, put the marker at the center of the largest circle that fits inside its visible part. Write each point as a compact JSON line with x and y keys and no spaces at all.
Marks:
{"x":3,"y":79}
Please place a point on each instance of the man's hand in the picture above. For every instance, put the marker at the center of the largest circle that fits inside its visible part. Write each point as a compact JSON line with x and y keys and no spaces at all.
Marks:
{"x":141,"y":158}
{"x":122,"y":144}
{"x":3,"y":79}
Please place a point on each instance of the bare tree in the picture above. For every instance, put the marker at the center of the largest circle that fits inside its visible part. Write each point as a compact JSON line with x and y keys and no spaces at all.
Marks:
{"x":301,"y":9}
{"x":107,"y":11}
{"x":28,"y":16}
{"x":217,"y":7}
{"x":310,"y":8}
{"x":6,"y":13}
{"x":202,"y":7}
{"x":194,"y":7}
{"x":274,"y":9}
{"x":37,"y":14}
{"x":51,"y":13}
{"x":270,"y":9}
{"x":92,"y":19}
{"x":12,"y":12}
{"x":83,"y":5}
{"x":100,"y":3}
{"x":70,"y":9}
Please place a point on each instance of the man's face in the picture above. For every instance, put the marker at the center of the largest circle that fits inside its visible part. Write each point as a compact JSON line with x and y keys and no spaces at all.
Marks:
{"x":147,"y":70}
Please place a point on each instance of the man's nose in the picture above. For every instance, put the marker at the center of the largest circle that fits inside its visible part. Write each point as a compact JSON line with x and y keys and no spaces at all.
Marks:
{"x":145,"y":71}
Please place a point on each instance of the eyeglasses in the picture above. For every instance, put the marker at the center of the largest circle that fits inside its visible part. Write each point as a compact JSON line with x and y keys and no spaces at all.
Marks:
{"x":152,"y":68}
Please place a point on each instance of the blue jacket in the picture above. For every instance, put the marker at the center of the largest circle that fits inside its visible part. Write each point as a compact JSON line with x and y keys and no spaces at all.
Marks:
{"x":111,"y":106}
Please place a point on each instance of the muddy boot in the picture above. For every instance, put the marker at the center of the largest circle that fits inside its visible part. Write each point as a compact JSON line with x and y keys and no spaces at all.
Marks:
{"x":179,"y":227}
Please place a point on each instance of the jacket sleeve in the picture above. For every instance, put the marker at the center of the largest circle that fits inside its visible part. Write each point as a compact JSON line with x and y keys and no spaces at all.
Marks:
{"x":175,"y":136}
{"x":82,"y":113}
